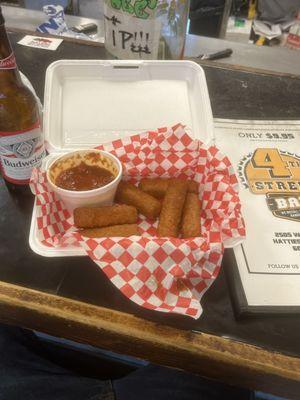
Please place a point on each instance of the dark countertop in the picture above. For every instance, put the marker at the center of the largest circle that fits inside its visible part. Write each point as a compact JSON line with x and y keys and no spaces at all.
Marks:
{"x":234,"y":94}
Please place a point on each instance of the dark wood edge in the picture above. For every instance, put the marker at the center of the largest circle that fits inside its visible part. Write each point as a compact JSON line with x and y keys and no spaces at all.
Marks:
{"x":215,"y":357}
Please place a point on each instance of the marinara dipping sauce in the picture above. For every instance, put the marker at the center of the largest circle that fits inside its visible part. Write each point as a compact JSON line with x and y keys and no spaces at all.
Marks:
{"x":84,"y":177}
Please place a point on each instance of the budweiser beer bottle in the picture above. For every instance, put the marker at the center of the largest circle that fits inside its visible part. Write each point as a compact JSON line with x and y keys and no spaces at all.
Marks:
{"x":21,"y":142}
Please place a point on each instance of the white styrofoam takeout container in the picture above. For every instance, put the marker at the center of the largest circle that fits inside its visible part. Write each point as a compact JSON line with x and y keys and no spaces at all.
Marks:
{"x":89,"y":102}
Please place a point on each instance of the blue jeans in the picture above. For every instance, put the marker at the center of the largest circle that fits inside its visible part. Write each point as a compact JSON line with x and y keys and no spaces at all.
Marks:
{"x":25,"y":374}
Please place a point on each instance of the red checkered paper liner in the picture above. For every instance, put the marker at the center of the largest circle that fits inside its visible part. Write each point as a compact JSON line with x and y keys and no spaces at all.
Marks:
{"x":162,"y":274}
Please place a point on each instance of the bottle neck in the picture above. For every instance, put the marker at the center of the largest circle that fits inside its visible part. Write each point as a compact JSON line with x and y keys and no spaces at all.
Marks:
{"x":8,"y":69}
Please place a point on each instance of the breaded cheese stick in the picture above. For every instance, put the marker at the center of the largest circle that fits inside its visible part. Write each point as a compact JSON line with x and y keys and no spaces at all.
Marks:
{"x":172,"y":206}
{"x":146,"y":204}
{"x":111,"y":231}
{"x":96,"y":217}
{"x":190,"y":224}
{"x":157,"y":187}
{"x":192,"y":187}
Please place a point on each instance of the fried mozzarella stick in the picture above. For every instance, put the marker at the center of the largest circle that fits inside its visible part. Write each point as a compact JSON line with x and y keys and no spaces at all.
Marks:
{"x":192,"y":187}
{"x":111,"y":231}
{"x":96,"y":217}
{"x":157,"y":187}
{"x":190,"y":224}
{"x":145,"y":203}
{"x":172,"y":206}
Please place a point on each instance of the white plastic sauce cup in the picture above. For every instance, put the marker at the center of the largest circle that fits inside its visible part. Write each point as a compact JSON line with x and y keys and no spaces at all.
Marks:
{"x":101,"y":196}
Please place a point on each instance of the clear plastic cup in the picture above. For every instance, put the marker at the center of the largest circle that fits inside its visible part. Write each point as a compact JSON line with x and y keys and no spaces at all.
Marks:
{"x":101,"y":196}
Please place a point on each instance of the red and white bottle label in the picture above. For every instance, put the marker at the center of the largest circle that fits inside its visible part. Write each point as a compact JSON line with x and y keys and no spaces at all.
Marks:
{"x":19,"y":152}
{"x":8,"y":62}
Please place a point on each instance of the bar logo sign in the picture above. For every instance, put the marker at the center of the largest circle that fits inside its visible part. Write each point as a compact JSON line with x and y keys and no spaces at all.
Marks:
{"x":276,"y":174}
{"x":284,"y":205}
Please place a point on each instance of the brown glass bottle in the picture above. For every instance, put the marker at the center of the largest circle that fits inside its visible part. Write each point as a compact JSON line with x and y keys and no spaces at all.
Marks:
{"x":21,"y":142}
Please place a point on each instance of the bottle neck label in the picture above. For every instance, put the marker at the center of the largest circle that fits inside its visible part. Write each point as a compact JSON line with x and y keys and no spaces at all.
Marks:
{"x":8,"y":62}
{"x":20,"y":152}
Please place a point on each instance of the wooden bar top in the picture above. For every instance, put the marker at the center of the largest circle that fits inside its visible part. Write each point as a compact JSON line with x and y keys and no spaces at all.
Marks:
{"x":72,"y":298}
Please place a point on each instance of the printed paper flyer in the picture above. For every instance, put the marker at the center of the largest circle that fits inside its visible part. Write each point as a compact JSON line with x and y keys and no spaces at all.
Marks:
{"x":266,"y":157}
